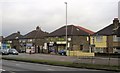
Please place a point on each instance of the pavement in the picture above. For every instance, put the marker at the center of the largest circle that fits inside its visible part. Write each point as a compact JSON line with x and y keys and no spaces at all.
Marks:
{"x":90,"y":60}
{"x":24,"y":67}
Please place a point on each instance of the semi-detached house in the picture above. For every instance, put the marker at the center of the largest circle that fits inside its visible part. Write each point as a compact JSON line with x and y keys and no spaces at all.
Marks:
{"x":107,"y":40}
{"x":77,"y":39}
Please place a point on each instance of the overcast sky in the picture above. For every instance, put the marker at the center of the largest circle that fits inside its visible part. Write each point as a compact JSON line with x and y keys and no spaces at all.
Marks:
{"x":25,"y":15}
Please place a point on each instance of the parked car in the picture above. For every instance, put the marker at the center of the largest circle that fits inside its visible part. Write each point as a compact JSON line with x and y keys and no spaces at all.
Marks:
{"x":62,"y":52}
{"x":4,"y":51}
{"x":13,"y":51}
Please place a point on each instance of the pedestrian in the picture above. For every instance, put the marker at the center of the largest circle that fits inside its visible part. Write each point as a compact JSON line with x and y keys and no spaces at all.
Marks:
{"x":30,"y":52}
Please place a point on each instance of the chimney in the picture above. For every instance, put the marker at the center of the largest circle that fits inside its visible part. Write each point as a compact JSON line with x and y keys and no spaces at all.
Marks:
{"x":116,"y":23}
{"x":38,"y":28}
{"x":18,"y":32}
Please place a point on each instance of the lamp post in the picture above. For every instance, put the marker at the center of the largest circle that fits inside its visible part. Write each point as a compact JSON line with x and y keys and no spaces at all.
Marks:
{"x":66,"y":24}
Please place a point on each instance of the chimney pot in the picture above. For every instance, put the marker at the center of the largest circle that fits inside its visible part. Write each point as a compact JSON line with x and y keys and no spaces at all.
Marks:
{"x":38,"y":28}
{"x":18,"y":32}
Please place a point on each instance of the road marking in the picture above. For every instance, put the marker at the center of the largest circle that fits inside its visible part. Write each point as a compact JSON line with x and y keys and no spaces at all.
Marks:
{"x":2,"y":70}
{"x":51,"y":69}
{"x":17,"y":64}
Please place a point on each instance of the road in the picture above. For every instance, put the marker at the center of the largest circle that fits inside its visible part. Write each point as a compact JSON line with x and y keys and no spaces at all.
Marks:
{"x":94,"y":60}
{"x":24,"y":67}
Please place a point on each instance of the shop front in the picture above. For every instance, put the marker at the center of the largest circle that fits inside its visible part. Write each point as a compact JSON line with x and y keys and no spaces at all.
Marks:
{"x":30,"y":48}
{"x":57,"y":47}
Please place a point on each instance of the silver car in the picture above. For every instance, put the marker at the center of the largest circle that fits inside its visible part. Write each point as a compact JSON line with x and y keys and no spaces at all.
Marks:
{"x":13,"y":51}
{"x":4,"y":51}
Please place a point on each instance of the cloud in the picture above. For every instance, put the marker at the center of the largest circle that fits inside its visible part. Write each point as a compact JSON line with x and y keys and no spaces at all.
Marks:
{"x":25,"y":15}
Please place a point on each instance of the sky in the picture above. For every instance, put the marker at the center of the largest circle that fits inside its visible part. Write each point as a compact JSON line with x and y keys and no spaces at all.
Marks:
{"x":26,"y":15}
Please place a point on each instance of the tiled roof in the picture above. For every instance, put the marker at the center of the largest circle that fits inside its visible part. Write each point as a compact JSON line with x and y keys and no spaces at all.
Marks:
{"x":109,"y":30}
{"x":71,"y":31}
{"x":38,"y":33}
{"x":14,"y":36}
{"x":86,"y":30}
{"x":106,"y":31}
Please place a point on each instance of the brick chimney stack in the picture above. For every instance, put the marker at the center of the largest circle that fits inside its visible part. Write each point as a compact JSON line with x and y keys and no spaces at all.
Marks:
{"x":116,"y":23}
{"x":18,"y":32}
{"x":38,"y":28}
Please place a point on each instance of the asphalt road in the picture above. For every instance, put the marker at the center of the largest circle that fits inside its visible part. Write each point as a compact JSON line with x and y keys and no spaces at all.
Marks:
{"x":24,"y":67}
{"x":94,"y":60}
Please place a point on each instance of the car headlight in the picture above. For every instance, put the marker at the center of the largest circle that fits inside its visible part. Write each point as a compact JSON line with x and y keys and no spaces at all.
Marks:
{"x":14,"y":52}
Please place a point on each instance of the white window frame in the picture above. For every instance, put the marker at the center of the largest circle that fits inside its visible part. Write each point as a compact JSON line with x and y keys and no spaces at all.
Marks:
{"x":115,"y":38}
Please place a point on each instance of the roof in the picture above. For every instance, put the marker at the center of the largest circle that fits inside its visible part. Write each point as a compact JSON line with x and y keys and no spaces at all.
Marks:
{"x":14,"y":36}
{"x":109,"y":30}
{"x":38,"y":33}
{"x":72,"y":30}
{"x":106,"y":31}
{"x":86,"y":30}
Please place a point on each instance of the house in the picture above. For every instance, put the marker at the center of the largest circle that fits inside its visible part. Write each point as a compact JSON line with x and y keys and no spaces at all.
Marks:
{"x":12,"y":41}
{"x":107,"y":40}
{"x":34,"y":40}
{"x":77,"y":39}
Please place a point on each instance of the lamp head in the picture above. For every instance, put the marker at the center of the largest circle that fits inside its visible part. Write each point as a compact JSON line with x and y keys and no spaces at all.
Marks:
{"x":65,"y":2}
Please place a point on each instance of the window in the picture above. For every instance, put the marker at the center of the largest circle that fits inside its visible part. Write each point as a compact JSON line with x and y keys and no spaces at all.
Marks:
{"x":30,"y":40}
{"x":99,"y":38}
{"x":23,"y":41}
{"x":87,"y":38}
{"x":9,"y":41}
{"x":116,"y":39}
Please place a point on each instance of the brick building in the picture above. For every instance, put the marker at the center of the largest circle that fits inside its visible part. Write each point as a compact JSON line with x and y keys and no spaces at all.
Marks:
{"x":13,"y":41}
{"x":78,"y":38}
{"x":34,"y":40}
{"x":107,"y":40}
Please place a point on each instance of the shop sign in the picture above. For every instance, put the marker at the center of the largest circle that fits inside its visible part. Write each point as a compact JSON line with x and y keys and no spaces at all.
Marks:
{"x":61,"y":42}
{"x":29,"y":45}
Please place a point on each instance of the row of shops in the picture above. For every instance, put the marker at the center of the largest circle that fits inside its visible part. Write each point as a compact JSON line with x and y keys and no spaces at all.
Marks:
{"x":78,"y":39}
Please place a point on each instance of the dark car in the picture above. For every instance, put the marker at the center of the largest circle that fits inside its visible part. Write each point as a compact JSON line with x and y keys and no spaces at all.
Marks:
{"x":62,"y":52}
{"x":13,"y":51}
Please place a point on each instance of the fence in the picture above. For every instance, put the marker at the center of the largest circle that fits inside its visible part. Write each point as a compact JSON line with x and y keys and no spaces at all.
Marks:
{"x":95,"y":58}
{"x":79,"y":53}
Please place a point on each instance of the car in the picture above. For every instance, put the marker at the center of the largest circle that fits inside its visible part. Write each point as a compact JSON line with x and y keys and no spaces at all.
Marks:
{"x":62,"y":52}
{"x":4,"y":51}
{"x":13,"y":51}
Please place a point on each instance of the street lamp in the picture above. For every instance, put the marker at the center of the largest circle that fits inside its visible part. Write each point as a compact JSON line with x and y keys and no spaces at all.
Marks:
{"x":66,"y":24}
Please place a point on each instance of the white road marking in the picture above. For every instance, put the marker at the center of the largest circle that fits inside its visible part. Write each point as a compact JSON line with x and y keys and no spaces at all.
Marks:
{"x":2,"y":70}
{"x":51,"y":69}
{"x":17,"y":64}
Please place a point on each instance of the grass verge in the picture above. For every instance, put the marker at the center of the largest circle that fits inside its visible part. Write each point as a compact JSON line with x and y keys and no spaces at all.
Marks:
{"x":66,"y":64}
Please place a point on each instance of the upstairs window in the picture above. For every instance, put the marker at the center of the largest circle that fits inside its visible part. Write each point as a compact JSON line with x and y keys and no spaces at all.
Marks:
{"x":99,"y":38}
{"x":116,"y":39}
{"x":30,"y":40}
